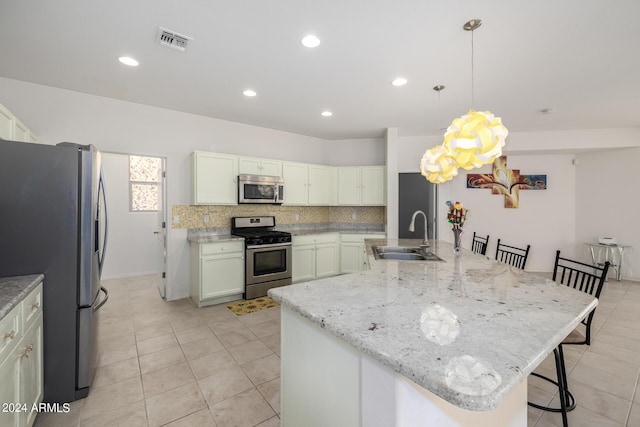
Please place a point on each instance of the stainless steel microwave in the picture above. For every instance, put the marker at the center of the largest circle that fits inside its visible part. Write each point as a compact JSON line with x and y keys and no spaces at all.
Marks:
{"x":260,"y":189}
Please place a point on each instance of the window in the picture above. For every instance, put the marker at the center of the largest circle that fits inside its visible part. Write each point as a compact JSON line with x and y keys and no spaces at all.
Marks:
{"x":145,"y":174}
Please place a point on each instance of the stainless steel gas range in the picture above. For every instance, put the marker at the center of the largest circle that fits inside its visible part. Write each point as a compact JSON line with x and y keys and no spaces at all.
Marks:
{"x":267,"y":254}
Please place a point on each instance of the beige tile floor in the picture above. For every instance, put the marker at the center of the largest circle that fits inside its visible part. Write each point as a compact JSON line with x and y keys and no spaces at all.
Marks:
{"x":170,"y":363}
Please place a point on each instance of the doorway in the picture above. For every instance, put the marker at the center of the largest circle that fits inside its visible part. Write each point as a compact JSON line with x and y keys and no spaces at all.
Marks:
{"x":416,"y":193}
{"x":135,"y":188}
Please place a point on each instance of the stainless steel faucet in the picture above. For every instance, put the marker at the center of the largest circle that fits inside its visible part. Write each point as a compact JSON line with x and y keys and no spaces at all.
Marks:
{"x":412,"y":226}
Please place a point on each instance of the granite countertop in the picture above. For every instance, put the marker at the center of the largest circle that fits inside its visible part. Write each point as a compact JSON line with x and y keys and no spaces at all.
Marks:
{"x":467,"y":328}
{"x":213,"y":238}
{"x":15,"y":289}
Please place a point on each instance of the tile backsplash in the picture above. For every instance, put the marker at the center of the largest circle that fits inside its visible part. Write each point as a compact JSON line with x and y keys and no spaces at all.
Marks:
{"x":189,"y":216}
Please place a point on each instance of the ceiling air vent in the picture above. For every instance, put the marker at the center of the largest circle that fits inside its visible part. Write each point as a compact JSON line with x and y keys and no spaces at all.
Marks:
{"x":173,"y":40}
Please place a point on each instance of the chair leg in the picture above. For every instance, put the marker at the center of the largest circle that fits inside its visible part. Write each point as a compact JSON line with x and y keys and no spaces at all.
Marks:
{"x":567,"y":401}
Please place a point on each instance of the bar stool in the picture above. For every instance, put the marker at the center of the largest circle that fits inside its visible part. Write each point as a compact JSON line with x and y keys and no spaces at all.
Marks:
{"x":589,"y":279}
{"x":512,"y":255}
{"x":479,"y":244}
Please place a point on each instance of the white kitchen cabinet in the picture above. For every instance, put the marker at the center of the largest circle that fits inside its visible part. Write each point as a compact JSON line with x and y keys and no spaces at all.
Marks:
{"x":6,"y":123}
{"x":322,"y":185}
{"x":21,"y":360}
{"x":295,"y":177}
{"x":315,"y":256}
{"x":214,"y":179}
{"x":361,"y":186}
{"x":20,"y":131}
{"x":13,"y":129}
{"x":353,"y":255}
{"x":217,"y":272}
{"x":257,"y":166}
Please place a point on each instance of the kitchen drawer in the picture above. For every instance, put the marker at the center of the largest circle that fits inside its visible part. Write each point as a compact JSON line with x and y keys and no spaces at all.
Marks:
{"x":360,"y":237}
{"x":222,"y":247}
{"x":32,"y":306}
{"x":10,"y":330}
{"x":312,"y":239}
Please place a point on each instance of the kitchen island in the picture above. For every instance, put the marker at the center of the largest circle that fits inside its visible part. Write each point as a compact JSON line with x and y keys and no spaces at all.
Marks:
{"x":444,"y":343}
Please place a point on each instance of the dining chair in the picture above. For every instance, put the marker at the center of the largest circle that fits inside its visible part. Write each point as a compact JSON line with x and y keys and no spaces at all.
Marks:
{"x":479,"y":244}
{"x":585,"y":278}
{"x":512,"y":255}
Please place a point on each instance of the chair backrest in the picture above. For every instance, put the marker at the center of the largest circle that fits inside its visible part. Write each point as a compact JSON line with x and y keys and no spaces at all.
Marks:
{"x":479,"y":244}
{"x":583,"y":277}
{"x":512,"y":255}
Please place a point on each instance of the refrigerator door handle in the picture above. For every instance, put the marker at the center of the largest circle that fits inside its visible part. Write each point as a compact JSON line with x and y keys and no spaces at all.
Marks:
{"x":106,"y":297}
{"x":101,"y":188}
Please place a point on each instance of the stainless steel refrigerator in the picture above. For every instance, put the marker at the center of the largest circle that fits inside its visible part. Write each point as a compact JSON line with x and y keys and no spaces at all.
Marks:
{"x":53,"y":221}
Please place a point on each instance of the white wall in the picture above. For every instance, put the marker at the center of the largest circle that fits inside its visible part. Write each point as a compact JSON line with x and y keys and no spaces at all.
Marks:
{"x":60,"y":115}
{"x":608,"y":201}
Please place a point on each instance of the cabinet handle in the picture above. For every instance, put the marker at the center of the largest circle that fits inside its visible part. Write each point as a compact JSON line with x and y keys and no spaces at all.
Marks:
{"x":11,"y":335}
{"x":27,"y":350}
{"x":35,"y":306}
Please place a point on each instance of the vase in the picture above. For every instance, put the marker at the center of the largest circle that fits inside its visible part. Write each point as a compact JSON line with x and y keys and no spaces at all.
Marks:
{"x":457,"y":232}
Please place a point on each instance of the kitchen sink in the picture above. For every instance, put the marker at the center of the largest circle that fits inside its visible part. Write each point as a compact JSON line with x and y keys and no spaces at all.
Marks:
{"x":395,"y":249}
{"x":402,"y":253}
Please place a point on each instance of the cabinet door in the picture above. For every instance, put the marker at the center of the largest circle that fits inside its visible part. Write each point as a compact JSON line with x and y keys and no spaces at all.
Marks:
{"x":351,"y":257}
{"x":9,"y":388}
{"x":304,"y":263}
{"x":249,"y":166}
{"x":349,"y":186}
{"x":326,"y":260}
{"x":295,"y":183}
{"x":20,"y":132}
{"x":221,"y":275}
{"x":6,"y":124}
{"x":271,"y":167}
{"x":373,"y":185}
{"x":215,"y":179}
{"x":322,"y":191}
{"x":31,"y":370}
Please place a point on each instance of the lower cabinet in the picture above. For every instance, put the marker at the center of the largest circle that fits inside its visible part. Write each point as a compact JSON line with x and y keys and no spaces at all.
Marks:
{"x":315,"y":256}
{"x":353,"y":254}
{"x":21,"y":363}
{"x":217,"y":272}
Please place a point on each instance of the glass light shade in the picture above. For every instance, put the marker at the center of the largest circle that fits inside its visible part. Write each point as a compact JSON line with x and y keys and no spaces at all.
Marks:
{"x":437,"y":165}
{"x":475,"y":139}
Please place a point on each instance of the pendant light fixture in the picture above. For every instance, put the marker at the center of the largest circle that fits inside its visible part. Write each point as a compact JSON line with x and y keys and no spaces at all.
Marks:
{"x":472,"y":140}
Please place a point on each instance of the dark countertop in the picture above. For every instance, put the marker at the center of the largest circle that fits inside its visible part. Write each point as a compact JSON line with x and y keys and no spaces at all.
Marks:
{"x":15,"y":289}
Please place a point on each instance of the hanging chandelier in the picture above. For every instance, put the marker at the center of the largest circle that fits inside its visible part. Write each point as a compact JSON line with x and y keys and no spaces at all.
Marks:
{"x":472,"y":140}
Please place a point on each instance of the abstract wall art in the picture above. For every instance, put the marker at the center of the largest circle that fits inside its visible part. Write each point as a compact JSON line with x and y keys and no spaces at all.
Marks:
{"x":506,"y":182}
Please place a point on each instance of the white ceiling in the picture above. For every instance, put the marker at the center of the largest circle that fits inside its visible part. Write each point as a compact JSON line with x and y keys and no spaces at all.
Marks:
{"x":581,"y":57}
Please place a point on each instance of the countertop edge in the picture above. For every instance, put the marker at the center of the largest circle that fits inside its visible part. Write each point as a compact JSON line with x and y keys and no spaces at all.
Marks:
{"x":14,"y":289}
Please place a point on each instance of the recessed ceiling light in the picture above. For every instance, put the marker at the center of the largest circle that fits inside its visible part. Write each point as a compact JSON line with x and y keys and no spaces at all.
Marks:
{"x":310,"y":41}
{"x":326,"y":114}
{"x":400,"y":81}
{"x":548,"y":110}
{"x":127,"y":60}
{"x":249,"y":93}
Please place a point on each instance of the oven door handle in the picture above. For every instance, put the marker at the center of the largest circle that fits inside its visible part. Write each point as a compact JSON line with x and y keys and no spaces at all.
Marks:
{"x":270,"y":245}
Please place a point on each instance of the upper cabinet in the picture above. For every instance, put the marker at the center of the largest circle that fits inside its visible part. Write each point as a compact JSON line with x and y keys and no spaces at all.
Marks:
{"x":322,"y":185}
{"x":13,"y":129}
{"x":6,"y":123}
{"x":361,"y":186}
{"x":215,"y":179}
{"x":256,"y":166}
{"x":296,"y":186}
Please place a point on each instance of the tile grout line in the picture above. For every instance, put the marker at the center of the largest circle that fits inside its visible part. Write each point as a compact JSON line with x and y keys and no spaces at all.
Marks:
{"x":633,"y":396}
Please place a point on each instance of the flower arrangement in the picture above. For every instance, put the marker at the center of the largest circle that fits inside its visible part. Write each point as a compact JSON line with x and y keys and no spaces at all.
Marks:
{"x":456,"y":214}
